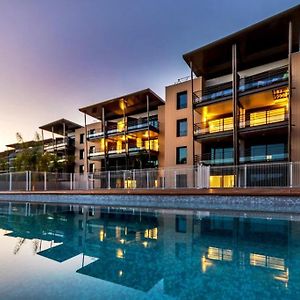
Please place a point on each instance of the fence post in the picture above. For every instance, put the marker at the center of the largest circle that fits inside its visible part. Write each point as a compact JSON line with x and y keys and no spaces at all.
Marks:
{"x":175,"y":179}
{"x":199,"y":170}
{"x":291,"y":174}
{"x":108,"y":180}
{"x":26,"y":182}
{"x":124,"y":179}
{"x":29,"y":181}
{"x":87,"y":181}
{"x":245,"y":176}
{"x":147,"y":179}
{"x":208,"y":177}
{"x":71,"y":181}
{"x":45,"y":181}
{"x":133,"y":179}
{"x":92,"y":182}
{"x":10,"y":181}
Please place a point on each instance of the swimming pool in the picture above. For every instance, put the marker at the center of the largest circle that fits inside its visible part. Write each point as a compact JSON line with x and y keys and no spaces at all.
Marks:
{"x":89,"y":252}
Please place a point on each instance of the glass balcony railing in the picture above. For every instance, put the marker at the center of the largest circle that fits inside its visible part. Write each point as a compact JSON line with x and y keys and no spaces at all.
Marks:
{"x":264,"y":158}
{"x":264,"y":79}
{"x":120,"y":127}
{"x":113,"y":149}
{"x":214,"y":126}
{"x":266,"y":117}
{"x":224,"y":90}
{"x":248,"y":120}
{"x":57,"y":146}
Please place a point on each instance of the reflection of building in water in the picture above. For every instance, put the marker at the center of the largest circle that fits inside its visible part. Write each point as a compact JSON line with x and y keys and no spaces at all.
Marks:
{"x":185,"y":251}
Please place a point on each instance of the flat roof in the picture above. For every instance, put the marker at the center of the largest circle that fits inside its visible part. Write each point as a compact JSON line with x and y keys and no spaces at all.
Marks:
{"x":28,"y":144}
{"x":136,"y":103}
{"x":261,"y":43}
{"x":58,"y":126}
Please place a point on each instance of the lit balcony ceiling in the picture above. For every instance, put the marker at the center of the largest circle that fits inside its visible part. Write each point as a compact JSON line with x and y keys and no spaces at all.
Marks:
{"x":130,"y":104}
{"x":58,"y":126}
{"x":258,"y":44}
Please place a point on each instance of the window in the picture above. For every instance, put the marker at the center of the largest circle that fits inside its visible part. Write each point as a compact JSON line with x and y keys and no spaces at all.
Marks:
{"x":81,"y":138}
{"x":92,"y":168}
{"x":92,"y":149}
{"x":221,"y":155}
{"x":268,"y":152}
{"x":81,"y":169}
{"x":182,"y":127}
{"x":81,"y":154}
{"x":182,"y":100}
{"x":181,"y":155}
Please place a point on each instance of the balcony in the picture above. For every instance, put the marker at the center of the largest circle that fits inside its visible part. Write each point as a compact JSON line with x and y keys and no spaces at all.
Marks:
{"x":275,"y":77}
{"x":266,"y":119}
{"x":214,"y":126}
{"x":119,"y":128}
{"x":57,"y":146}
{"x":217,"y":92}
{"x":115,"y":151}
{"x":269,"y":118}
{"x":265,"y":79}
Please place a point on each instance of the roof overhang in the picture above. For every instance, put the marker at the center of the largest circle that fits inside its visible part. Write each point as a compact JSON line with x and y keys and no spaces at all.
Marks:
{"x":58,"y":126}
{"x":261,"y":43}
{"x":130,"y":104}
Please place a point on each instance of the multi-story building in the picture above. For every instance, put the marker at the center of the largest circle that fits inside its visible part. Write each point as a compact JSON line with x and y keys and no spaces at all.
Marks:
{"x":126,"y":135}
{"x":242,"y":104}
{"x":62,"y":142}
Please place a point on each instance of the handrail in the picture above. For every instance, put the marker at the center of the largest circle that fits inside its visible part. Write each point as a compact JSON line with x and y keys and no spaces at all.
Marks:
{"x":248,"y":83}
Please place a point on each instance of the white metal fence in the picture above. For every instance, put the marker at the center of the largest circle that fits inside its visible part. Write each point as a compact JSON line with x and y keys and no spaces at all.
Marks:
{"x":251,"y":175}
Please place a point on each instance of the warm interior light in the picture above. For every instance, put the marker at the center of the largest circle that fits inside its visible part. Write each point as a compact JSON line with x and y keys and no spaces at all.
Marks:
{"x":121,"y":126}
{"x":205,"y":263}
{"x":119,"y":253}
{"x":101,"y":235}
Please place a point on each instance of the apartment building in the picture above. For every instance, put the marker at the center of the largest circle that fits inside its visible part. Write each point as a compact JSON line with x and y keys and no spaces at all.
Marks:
{"x":242,"y":102}
{"x":126,"y":136}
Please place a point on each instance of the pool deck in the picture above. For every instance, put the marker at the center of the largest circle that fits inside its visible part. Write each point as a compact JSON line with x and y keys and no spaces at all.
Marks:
{"x":292,"y":192}
{"x":275,"y":200}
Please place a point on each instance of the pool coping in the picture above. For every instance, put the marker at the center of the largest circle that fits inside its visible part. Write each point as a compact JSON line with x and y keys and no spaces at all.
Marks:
{"x":250,"y":200}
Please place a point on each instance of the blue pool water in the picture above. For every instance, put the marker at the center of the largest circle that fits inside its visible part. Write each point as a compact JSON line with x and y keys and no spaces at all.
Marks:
{"x":82,"y":252}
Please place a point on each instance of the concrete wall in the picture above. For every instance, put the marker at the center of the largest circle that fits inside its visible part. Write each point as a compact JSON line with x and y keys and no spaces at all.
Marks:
{"x":79,"y":147}
{"x":171,"y":141}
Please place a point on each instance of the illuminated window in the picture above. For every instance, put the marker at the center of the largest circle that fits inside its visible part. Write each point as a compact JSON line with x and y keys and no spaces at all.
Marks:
{"x":267,"y":117}
{"x":258,"y":118}
{"x":218,"y":181}
{"x":121,"y":126}
{"x":218,"y":125}
{"x":276,"y":115}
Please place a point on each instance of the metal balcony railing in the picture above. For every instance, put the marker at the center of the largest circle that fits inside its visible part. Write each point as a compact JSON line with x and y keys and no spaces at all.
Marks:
{"x":132,"y":125}
{"x":264,"y":79}
{"x":224,"y":90}
{"x":247,"y":120}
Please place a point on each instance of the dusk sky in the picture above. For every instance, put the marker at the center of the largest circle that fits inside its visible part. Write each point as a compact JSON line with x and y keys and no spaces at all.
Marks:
{"x":59,"y":55}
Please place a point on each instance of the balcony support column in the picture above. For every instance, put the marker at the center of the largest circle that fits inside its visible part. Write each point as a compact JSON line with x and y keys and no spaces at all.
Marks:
{"x":125,"y":122}
{"x":43,"y":141}
{"x":103,"y":129}
{"x":193,"y":113}
{"x":65,"y":140}
{"x":53,"y":140}
{"x":86,"y":156}
{"x":290,"y":40}
{"x":235,"y":112}
{"x":148,"y":126}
